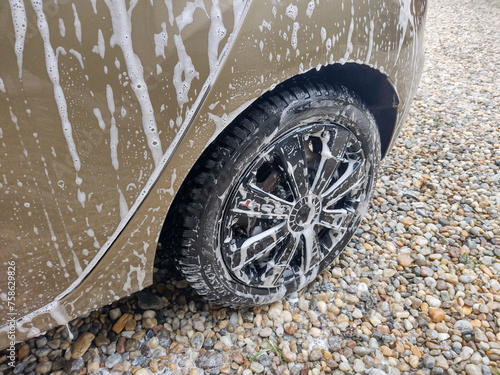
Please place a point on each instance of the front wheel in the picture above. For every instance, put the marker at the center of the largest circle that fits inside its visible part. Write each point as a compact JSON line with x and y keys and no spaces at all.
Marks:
{"x":278,"y":195}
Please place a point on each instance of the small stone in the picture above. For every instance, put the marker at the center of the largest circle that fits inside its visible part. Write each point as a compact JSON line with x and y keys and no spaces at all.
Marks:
{"x":256,"y":367}
{"x":43,"y":367}
{"x":436,"y":314}
{"x":358,"y":366}
{"x":479,"y":335}
{"x":442,"y":362}
{"x":41,"y":342}
{"x":197,"y":341}
{"x":115,"y":313}
{"x":101,"y":340}
{"x":315,"y":332}
{"x":344,"y":366}
{"x":81,"y":345}
{"x":408,"y":221}
{"x":386,"y":351}
{"x":291,"y":328}
{"x":54,"y":344}
{"x":466,"y":352}
{"x":24,"y":350}
{"x":210,"y":360}
{"x":265,"y":332}
{"x":466,"y":278}
{"x":472,"y":369}
{"x":275,"y":310}
{"x":405,"y":260}
{"x":463,"y":326}
{"x":154,"y":343}
{"x":362,"y":351}
{"x":414,"y":361}
{"x":237,"y":357}
{"x":426,"y":271}
{"x":120,"y":323}
{"x":429,"y":362}
{"x":441,"y":285}
{"x":144,"y":371}
{"x":432,"y":301}
{"x":149,"y":301}
{"x":113,"y":360}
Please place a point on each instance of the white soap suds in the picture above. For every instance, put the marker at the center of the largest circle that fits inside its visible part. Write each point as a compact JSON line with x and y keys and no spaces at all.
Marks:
{"x":53,"y":72}
{"x":122,"y":36}
{"x":78,"y":25}
{"x":215,"y":35}
{"x":168,"y":4}
{"x":78,"y":55}
{"x":100,"y":48}
{"x":62,"y":28}
{"x":185,"y":68}
{"x":20,"y":22}
{"x":187,"y":14}
{"x":292,"y":11}
{"x":310,"y":8}
{"x":370,"y":42}
{"x":100,"y":121}
{"x":123,"y":204}
{"x":161,"y":40}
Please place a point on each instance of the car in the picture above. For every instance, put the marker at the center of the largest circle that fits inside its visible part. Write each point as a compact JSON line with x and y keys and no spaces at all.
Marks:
{"x":248,"y":133}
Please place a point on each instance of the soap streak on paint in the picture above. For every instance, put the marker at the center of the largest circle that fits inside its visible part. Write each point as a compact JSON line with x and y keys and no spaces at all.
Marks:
{"x":168,"y":4}
{"x":53,"y":72}
{"x":215,"y":35}
{"x":20,"y":22}
{"x":53,"y":236}
{"x":349,"y":46}
{"x":100,"y":48}
{"x":370,"y":42}
{"x":77,"y":24}
{"x":161,"y":41}
{"x":100,"y":121}
{"x":62,"y":28}
{"x":78,"y":56}
{"x":123,"y":204}
{"x":121,"y":19}
{"x":113,"y":130}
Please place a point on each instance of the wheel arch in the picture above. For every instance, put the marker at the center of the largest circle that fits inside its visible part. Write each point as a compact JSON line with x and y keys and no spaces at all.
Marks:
{"x":373,"y":87}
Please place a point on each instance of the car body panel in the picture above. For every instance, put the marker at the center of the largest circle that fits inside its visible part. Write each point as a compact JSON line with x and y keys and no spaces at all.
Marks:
{"x":154,"y":118}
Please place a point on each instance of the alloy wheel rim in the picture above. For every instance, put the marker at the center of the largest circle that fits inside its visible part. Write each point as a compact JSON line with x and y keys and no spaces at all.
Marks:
{"x":293,"y":204}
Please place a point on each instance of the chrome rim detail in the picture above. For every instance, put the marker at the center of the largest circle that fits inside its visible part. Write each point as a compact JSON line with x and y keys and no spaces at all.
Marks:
{"x":293,"y":204}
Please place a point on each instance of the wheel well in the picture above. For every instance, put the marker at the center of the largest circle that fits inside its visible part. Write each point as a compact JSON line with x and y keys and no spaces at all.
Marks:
{"x":373,"y":87}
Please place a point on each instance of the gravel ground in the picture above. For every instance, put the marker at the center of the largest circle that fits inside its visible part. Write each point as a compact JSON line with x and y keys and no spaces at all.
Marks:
{"x":417,"y":291}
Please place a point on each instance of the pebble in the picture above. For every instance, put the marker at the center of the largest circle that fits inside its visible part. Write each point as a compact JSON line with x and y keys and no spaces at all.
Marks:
{"x":436,"y":314}
{"x":463,"y":326}
{"x":81,"y":345}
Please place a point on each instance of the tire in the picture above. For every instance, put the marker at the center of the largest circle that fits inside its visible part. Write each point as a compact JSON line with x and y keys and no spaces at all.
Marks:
{"x":277,"y":196}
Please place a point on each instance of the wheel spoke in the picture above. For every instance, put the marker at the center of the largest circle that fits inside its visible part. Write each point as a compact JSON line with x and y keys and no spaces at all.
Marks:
{"x":335,"y":219}
{"x":311,"y":254}
{"x":278,"y":265}
{"x":260,"y":245}
{"x":350,"y":180}
{"x":258,"y":203}
{"x":334,"y":143}
{"x":292,"y":155}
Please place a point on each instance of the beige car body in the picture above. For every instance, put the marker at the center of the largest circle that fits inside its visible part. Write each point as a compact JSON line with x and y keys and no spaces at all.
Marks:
{"x":106,"y":105}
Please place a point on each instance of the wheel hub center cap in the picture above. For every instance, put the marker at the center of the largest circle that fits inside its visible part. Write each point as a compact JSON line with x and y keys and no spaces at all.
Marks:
{"x":304,"y":213}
